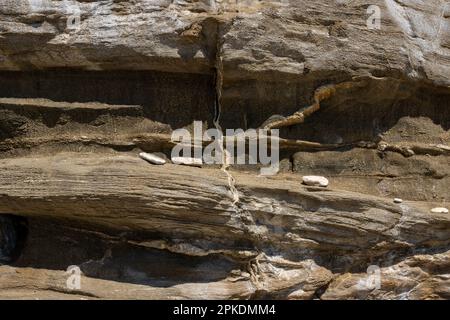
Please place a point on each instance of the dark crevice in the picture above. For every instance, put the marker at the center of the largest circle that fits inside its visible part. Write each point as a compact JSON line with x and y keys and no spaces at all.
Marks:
{"x":175,"y":99}
{"x":102,"y":253}
{"x":13,"y":237}
{"x":369,"y":112}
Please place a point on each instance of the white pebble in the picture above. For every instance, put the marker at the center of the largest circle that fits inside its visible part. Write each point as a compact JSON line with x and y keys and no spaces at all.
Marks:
{"x":439,"y":210}
{"x":152,"y":158}
{"x":315,"y":181}
{"x":187,"y":161}
{"x":398,"y":200}
{"x":382,"y":146}
{"x":443,"y":147}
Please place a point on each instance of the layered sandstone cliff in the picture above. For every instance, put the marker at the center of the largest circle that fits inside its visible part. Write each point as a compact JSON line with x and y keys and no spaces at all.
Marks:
{"x":87,"y":85}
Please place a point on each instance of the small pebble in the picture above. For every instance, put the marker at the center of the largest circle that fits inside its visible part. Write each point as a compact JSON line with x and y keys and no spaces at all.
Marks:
{"x":382,"y":146}
{"x":398,"y":200}
{"x":315,"y":181}
{"x":439,"y":210}
{"x":443,"y":147}
{"x":152,"y":158}
{"x":409,"y":152}
{"x":187,"y":161}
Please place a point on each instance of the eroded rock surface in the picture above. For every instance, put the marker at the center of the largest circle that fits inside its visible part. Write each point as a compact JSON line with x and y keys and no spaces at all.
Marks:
{"x":86,"y":86}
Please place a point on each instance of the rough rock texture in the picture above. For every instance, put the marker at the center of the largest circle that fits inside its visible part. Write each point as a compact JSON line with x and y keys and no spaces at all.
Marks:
{"x":369,"y":109}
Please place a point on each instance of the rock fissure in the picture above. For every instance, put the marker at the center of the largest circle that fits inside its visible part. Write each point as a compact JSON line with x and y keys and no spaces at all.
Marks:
{"x":225,"y":166}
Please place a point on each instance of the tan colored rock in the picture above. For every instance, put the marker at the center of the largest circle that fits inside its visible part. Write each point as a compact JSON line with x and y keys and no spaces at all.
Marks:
{"x":343,"y":41}
{"x":420,"y":277}
{"x":75,"y":184}
{"x":82,"y":95}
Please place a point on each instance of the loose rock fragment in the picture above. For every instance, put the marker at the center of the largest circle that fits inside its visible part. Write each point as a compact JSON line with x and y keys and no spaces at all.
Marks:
{"x":315,"y":181}
{"x":152,"y":158}
{"x":398,"y":200}
{"x":382,"y":146}
{"x":439,"y":210}
{"x":443,"y":147}
{"x":187,"y":161}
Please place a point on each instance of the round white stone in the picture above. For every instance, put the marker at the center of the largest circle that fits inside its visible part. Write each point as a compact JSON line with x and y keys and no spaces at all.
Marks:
{"x":152,"y":158}
{"x":439,"y":210}
{"x":315,"y":181}
{"x":398,"y":200}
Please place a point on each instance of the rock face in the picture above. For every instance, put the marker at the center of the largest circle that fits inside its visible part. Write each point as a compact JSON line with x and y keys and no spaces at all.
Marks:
{"x":86,"y":86}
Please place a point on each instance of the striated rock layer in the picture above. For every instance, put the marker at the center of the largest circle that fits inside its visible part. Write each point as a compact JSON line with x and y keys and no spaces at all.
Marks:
{"x":85,"y":86}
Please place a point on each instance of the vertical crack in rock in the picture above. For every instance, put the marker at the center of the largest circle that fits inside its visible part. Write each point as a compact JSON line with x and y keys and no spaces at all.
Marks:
{"x":243,"y":217}
{"x":218,"y":109}
{"x":253,"y":265}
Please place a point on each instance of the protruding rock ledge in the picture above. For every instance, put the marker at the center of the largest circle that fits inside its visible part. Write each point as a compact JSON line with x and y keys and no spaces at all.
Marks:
{"x":125,"y":193}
